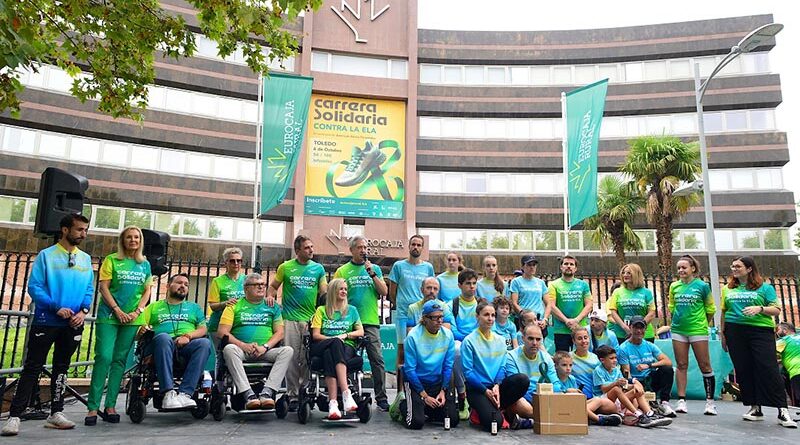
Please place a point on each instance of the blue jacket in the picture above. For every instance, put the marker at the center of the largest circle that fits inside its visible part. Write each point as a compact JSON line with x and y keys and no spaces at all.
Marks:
{"x":54,"y":285}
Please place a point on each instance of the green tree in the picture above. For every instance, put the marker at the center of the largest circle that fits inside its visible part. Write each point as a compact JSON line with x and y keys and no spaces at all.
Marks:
{"x":612,"y":227}
{"x":117,"y":42}
{"x":658,"y":165}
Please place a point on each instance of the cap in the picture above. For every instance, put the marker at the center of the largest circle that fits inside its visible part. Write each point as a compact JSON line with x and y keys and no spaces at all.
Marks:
{"x":432,"y":306}
{"x":637,"y":319}
{"x":598,"y":314}
{"x":518,"y":273}
{"x":529,"y":259}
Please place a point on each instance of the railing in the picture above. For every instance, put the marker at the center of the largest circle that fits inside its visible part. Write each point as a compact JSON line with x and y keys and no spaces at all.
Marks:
{"x":15,"y":302}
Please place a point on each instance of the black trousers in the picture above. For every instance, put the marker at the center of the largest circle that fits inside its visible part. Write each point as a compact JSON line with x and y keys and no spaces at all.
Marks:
{"x":660,"y":382}
{"x":512,"y":389}
{"x":415,"y":411}
{"x":563,"y":342}
{"x":332,"y":351}
{"x":40,"y":340}
{"x":752,"y":350}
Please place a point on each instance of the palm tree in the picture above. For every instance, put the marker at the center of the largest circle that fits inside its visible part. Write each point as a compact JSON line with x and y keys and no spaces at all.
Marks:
{"x":658,"y":165}
{"x":611,"y":228}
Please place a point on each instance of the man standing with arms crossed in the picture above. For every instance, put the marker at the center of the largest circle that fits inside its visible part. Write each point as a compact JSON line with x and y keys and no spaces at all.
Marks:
{"x":571,"y":301}
{"x":405,"y":283}
{"x":365,"y":286}
{"x":303,"y":280}
{"x":62,"y":287}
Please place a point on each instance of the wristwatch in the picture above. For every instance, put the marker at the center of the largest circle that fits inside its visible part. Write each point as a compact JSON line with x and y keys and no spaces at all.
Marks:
{"x":85,"y":310}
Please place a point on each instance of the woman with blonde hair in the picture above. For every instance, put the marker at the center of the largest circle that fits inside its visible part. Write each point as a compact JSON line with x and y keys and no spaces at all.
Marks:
{"x":125,"y":281}
{"x":334,"y":329}
{"x":629,"y":300}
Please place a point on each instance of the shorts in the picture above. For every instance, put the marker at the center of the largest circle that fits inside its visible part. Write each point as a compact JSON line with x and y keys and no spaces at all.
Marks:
{"x":688,"y":339}
{"x":400,"y":327}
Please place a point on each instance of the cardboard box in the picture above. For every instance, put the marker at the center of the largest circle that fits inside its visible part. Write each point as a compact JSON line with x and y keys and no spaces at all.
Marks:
{"x":560,"y":414}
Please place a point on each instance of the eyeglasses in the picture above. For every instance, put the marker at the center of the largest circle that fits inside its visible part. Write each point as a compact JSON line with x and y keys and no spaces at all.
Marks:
{"x":435,"y":318}
{"x":71,"y":261}
{"x":235,"y":261}
{"x":256,"y":284}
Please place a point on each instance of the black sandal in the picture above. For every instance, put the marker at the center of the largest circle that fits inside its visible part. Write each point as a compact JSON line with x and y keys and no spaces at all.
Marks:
{"x":90,"y":420}
{"x":110,"y":417}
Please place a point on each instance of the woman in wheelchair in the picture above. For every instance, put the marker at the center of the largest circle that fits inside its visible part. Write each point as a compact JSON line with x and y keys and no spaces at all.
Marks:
{"x":334,"y":330}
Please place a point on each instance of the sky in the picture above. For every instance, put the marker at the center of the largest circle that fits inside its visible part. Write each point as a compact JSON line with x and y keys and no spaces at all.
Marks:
{"x":532,"y":15}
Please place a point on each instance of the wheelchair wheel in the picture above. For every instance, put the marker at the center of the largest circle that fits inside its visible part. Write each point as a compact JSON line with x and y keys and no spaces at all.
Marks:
{"x":202,"y":409}
{"x":282,"y":407}
{"x":132,"y":392}
{"x":364,"y":412}
{"x":303,"y":413}
{"x":217,"y":404}
{"x":137,"y":411}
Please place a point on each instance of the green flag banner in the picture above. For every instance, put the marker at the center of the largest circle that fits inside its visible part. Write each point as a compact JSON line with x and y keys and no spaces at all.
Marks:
{"x":584,"y":113}
{"x":286,"y":101}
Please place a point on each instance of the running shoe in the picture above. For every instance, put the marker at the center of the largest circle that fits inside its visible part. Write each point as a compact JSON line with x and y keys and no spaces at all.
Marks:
{"x":644,"y":422}
{"x":383,"y":405}
{"x":170,"y":400}
{"x":333,"y":410}
{"x":681,"y":407}
{"x":186,"y":400}
{"x":58,"y":421}
{"x":656,"y":420}
{"x":785,"y":419}
{"x":347,"y":401}
{"x":609,"y":420}
{"x":362,"y":161}
{"x":463,"y":409}
{"x":667,"y":410}
{"x":711,"y":408}
{"x":11,"y":428}
{"x":754,"y":414}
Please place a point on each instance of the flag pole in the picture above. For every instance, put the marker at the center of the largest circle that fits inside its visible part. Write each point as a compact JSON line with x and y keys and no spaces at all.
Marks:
{"x":564,"y":170}
{"x":257,"y":181}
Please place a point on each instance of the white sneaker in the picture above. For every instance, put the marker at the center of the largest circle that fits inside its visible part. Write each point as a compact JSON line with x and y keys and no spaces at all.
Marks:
{"x":681,"y":407}
{"x":711,"y":408}
{"x":58,"y":421}
{"x":667,"y":408}
{"x":170,"y":400}
{"x":785,"y":419}
{"x":186,"y":400}
{"x":348,"y":402}
{"x":333,"y":410}
{"x":11,"y":427}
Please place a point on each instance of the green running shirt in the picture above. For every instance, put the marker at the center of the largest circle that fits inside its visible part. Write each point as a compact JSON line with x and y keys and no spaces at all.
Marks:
{"x":689,"y":305}
{"x":128,"y":282}
{"x":361,"y":291}
{"x":629,"y":303}
{"x":223,"y":288}
{"x":570,"y":297}
{"x":734,"y":300}
{"x":301,"y":284}
{"x":252,"y":322}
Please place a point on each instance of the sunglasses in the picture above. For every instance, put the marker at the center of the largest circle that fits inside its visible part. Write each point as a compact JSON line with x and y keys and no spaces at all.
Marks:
{"x":71,"y":261}
{"x":436,"y":318}
{"x":235,"y":261}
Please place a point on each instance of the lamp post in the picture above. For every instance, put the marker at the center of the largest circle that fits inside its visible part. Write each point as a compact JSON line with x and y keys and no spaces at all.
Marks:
{"x":748,"y":43}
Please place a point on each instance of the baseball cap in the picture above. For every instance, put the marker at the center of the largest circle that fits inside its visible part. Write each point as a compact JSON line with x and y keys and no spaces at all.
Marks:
{"x":432,"y":306}
{"x":637,"y":319}
{"x":598,"y":314}
{"x":529,"y":259}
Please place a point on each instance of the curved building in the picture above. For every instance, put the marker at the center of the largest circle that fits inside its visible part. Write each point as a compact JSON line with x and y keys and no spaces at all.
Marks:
{"x":462,"y":127}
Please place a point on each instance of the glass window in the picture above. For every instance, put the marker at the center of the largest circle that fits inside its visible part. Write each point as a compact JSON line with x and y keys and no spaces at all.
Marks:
{"x":498,"y":240}
{"x":85,"y":211}
{"x":633,"y":72}
{"x":84,"y":150}
{"x":741,"y":179}
{"x":31,"y":219}
{"x":684,"y":124}
{"x":747,"y":239}
{"x":19,"y":140}
{"x":522,"y":241}
{"x":229,"y":108}
{"x":106,"y":218}
{"x":204,"y":105}
{"x":648,"y":238}
{"x":520,"y":128}
{"x":540,"y":75}
{"x":451,"y":127}
{"x":776,"y":239}
{"x":59,"y":80}
{"x":434,"y":238}
{"x":658,"y":125}
{"x":762,"y":120}
{"x":198,"y":164}
{"x":588,"y":242}
{"x":452,"y":183}
{"x":680,"y":69}
{"x":574,"y":240}
{"x":430,"y":182}
{"x":496,"y":75}
{"x":12,"y":209}
{"x":205,"y":46}
{"x":475,"y":129}
{"x":193,"y":226}
{"x":719,"y":180}
{"x":769,"y":178}
{"x":114,"y":153}
{"x":244,"y":230}
{"x":496,"y":128}
{"x":523,"y":184}
{"x":498,"y":183}
{"x":545,"y":184}
{"x":250,"y":110}
{"x":635,"y":126}
{"x":139,"y":218}
{"x":734,"y":67}
{"x":167,"y":222}
{"x":399,"y":69}
{"x":173,"y":161}
{"x":178,"y":100}
{"x":319,"y":61}
{"x":36,"y":79}
{"x":475,"y":240}
{"x":225,"y":167}
{"x":452,"y":75}
{"x":476,"y":183}
{"x":562,"y":75}
{"x":156,"y":97}
{"x":359,"y":66}
{"x":145,"y":158}
{"x":453,"y":239}
{"x":520,"y":75}
{"x":712,"y":122}
{"x":611,"y":127}
{"x":273,"y":232}
{"x":52,"y":145}
{"x":723,"y":239}
{"x":609,"y":72}
{"x":541,"y":128}
{"x":429,"y":127}
{"x":736,"y":120}
{"x":655,"y":70}
{"x":694,"y":240}
{"x":247,"y":170}
{"x":545,"y":240}
{"x":474,"y":75}
{"x":428,"y":73}
{"x":755,"y":62}
{"x":584,"y":74}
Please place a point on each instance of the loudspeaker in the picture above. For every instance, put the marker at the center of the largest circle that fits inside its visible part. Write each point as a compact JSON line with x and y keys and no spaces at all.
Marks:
{"x":155,"y":249}
{"x":60,"y":194}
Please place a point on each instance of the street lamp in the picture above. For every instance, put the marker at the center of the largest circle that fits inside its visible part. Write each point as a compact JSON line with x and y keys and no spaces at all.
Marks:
{"x":748,"y":43}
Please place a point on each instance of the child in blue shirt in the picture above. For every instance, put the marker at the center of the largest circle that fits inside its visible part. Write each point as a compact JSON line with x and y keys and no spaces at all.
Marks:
{"x":566,"y":383}
{"x":503,"y":326}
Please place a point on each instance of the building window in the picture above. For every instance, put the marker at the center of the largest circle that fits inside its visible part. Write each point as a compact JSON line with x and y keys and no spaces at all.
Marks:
{"x":107,"y":218}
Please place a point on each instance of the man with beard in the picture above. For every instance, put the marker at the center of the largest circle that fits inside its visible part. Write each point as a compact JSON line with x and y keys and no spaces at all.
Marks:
{"x":179,"y":325}
{"x":571,"y":300}
{"x":61,"y":286}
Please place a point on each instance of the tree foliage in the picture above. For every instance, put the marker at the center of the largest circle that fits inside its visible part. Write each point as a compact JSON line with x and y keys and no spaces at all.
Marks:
{"x":612,"y":227}
{"x":117,"y":41}
{"x":658,"y":165}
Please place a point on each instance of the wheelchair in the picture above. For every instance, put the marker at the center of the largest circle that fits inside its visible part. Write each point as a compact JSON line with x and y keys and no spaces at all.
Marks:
{"x":224,"y":389}
{"x":143,"y":385}
{"x":315,"y":393}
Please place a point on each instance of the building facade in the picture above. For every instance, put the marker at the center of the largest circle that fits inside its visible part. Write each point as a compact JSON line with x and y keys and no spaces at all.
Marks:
{"x":479,"y":149}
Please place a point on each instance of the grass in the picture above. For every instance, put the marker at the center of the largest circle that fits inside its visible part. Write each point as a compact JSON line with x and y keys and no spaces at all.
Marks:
{"x":7,"y":346}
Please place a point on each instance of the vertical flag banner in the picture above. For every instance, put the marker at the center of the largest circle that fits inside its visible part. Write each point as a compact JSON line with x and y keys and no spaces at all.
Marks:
{"x":356,"y":157}
{"x":584,"y":115}
{"x":286,"y":101}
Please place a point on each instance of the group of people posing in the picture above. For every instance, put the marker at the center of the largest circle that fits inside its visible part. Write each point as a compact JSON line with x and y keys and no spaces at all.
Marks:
{"x":469,"y":347}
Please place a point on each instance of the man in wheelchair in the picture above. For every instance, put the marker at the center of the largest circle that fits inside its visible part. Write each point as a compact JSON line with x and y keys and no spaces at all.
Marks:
{"x":428,"y":365}
{"x":254,"y":331}
{"x":179,"y":329}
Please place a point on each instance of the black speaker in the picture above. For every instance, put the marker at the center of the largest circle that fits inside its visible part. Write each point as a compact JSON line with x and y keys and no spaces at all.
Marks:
{"x":60,"y":194}
{"x":155,"y":249}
